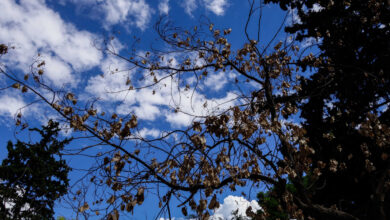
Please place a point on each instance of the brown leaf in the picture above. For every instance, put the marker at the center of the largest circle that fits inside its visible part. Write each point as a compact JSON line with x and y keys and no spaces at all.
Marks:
{"x":84,"y":207}
{"x":184,"y":211}
{"x":111,"y":199}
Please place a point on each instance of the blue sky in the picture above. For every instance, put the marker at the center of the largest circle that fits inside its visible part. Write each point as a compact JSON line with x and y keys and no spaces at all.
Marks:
{"x":67,"y":35}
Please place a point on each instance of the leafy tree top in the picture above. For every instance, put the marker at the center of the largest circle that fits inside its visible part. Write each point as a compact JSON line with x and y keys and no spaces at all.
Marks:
{"x":33,"y":176}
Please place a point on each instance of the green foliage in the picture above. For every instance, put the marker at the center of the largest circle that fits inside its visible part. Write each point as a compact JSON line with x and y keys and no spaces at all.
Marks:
{"x":346,"y":121}
{"x":270,"y":201}
{"x":33,"y":176}
{"x":272,"y":206}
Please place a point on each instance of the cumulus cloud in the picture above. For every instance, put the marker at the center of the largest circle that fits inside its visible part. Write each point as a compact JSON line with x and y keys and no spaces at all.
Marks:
{"x":120,"y":11}
{"x":134,"y":12}
{"x":11,"y":104}
{"x":151,"y":103}
{"x":112,"y":79}
{"x":34,"y":28}
{"x":149,"y":132}
{"x":232,"y":204}
{"x":160,"y":105}
{"x":57,"y":70}
{"x":199,"y":105}
{"x":163,"y":7}
{"x":218,"y":80}
{"x":216,"y":6}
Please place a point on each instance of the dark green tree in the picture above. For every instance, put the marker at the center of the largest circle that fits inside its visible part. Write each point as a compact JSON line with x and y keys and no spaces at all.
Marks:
{"x":33,"y":176}
{"x":271,"y":206}
{"x":346,"y":117}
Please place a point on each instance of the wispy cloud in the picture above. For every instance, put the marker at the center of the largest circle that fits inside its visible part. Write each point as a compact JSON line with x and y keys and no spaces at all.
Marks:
{"x":218,"y":7}
{"x":163,"y":7}
{"x":189,"y":6}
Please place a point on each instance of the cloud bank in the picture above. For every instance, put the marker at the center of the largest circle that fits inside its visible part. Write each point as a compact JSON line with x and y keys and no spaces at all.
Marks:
{"x":32,"y":28}
{"x":231,"y":204}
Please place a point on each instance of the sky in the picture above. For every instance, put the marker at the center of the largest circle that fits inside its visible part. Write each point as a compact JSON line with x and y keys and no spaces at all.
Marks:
{"x":68,"y":35}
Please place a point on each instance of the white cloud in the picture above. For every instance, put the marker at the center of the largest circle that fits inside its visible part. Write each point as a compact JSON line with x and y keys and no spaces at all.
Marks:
{"x":57,"y":70}
{"x":34,"y":28}
{"x":198,"y":105}
{"x":216,"y":81}
{"x":216,"y":6}
{"x":163,"y":7}
{"x":189,"y":6}
{"x":149,"y":132}
{"x":149,"y":105}
{"x":317,"y":7}
{"x":307,"y":42}
{"x":293,"y":17}
{"x":231,"y":204}
{"x":147,"y":111}
{"x":134,"y":12}
{"x":112,"y":79}
{"x":10,"y":104}
{"x":13,"y":102}
{"x":119,"y":11}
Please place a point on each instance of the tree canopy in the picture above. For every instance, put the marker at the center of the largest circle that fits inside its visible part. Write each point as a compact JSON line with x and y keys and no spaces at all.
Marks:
{"x":33,"y":176}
